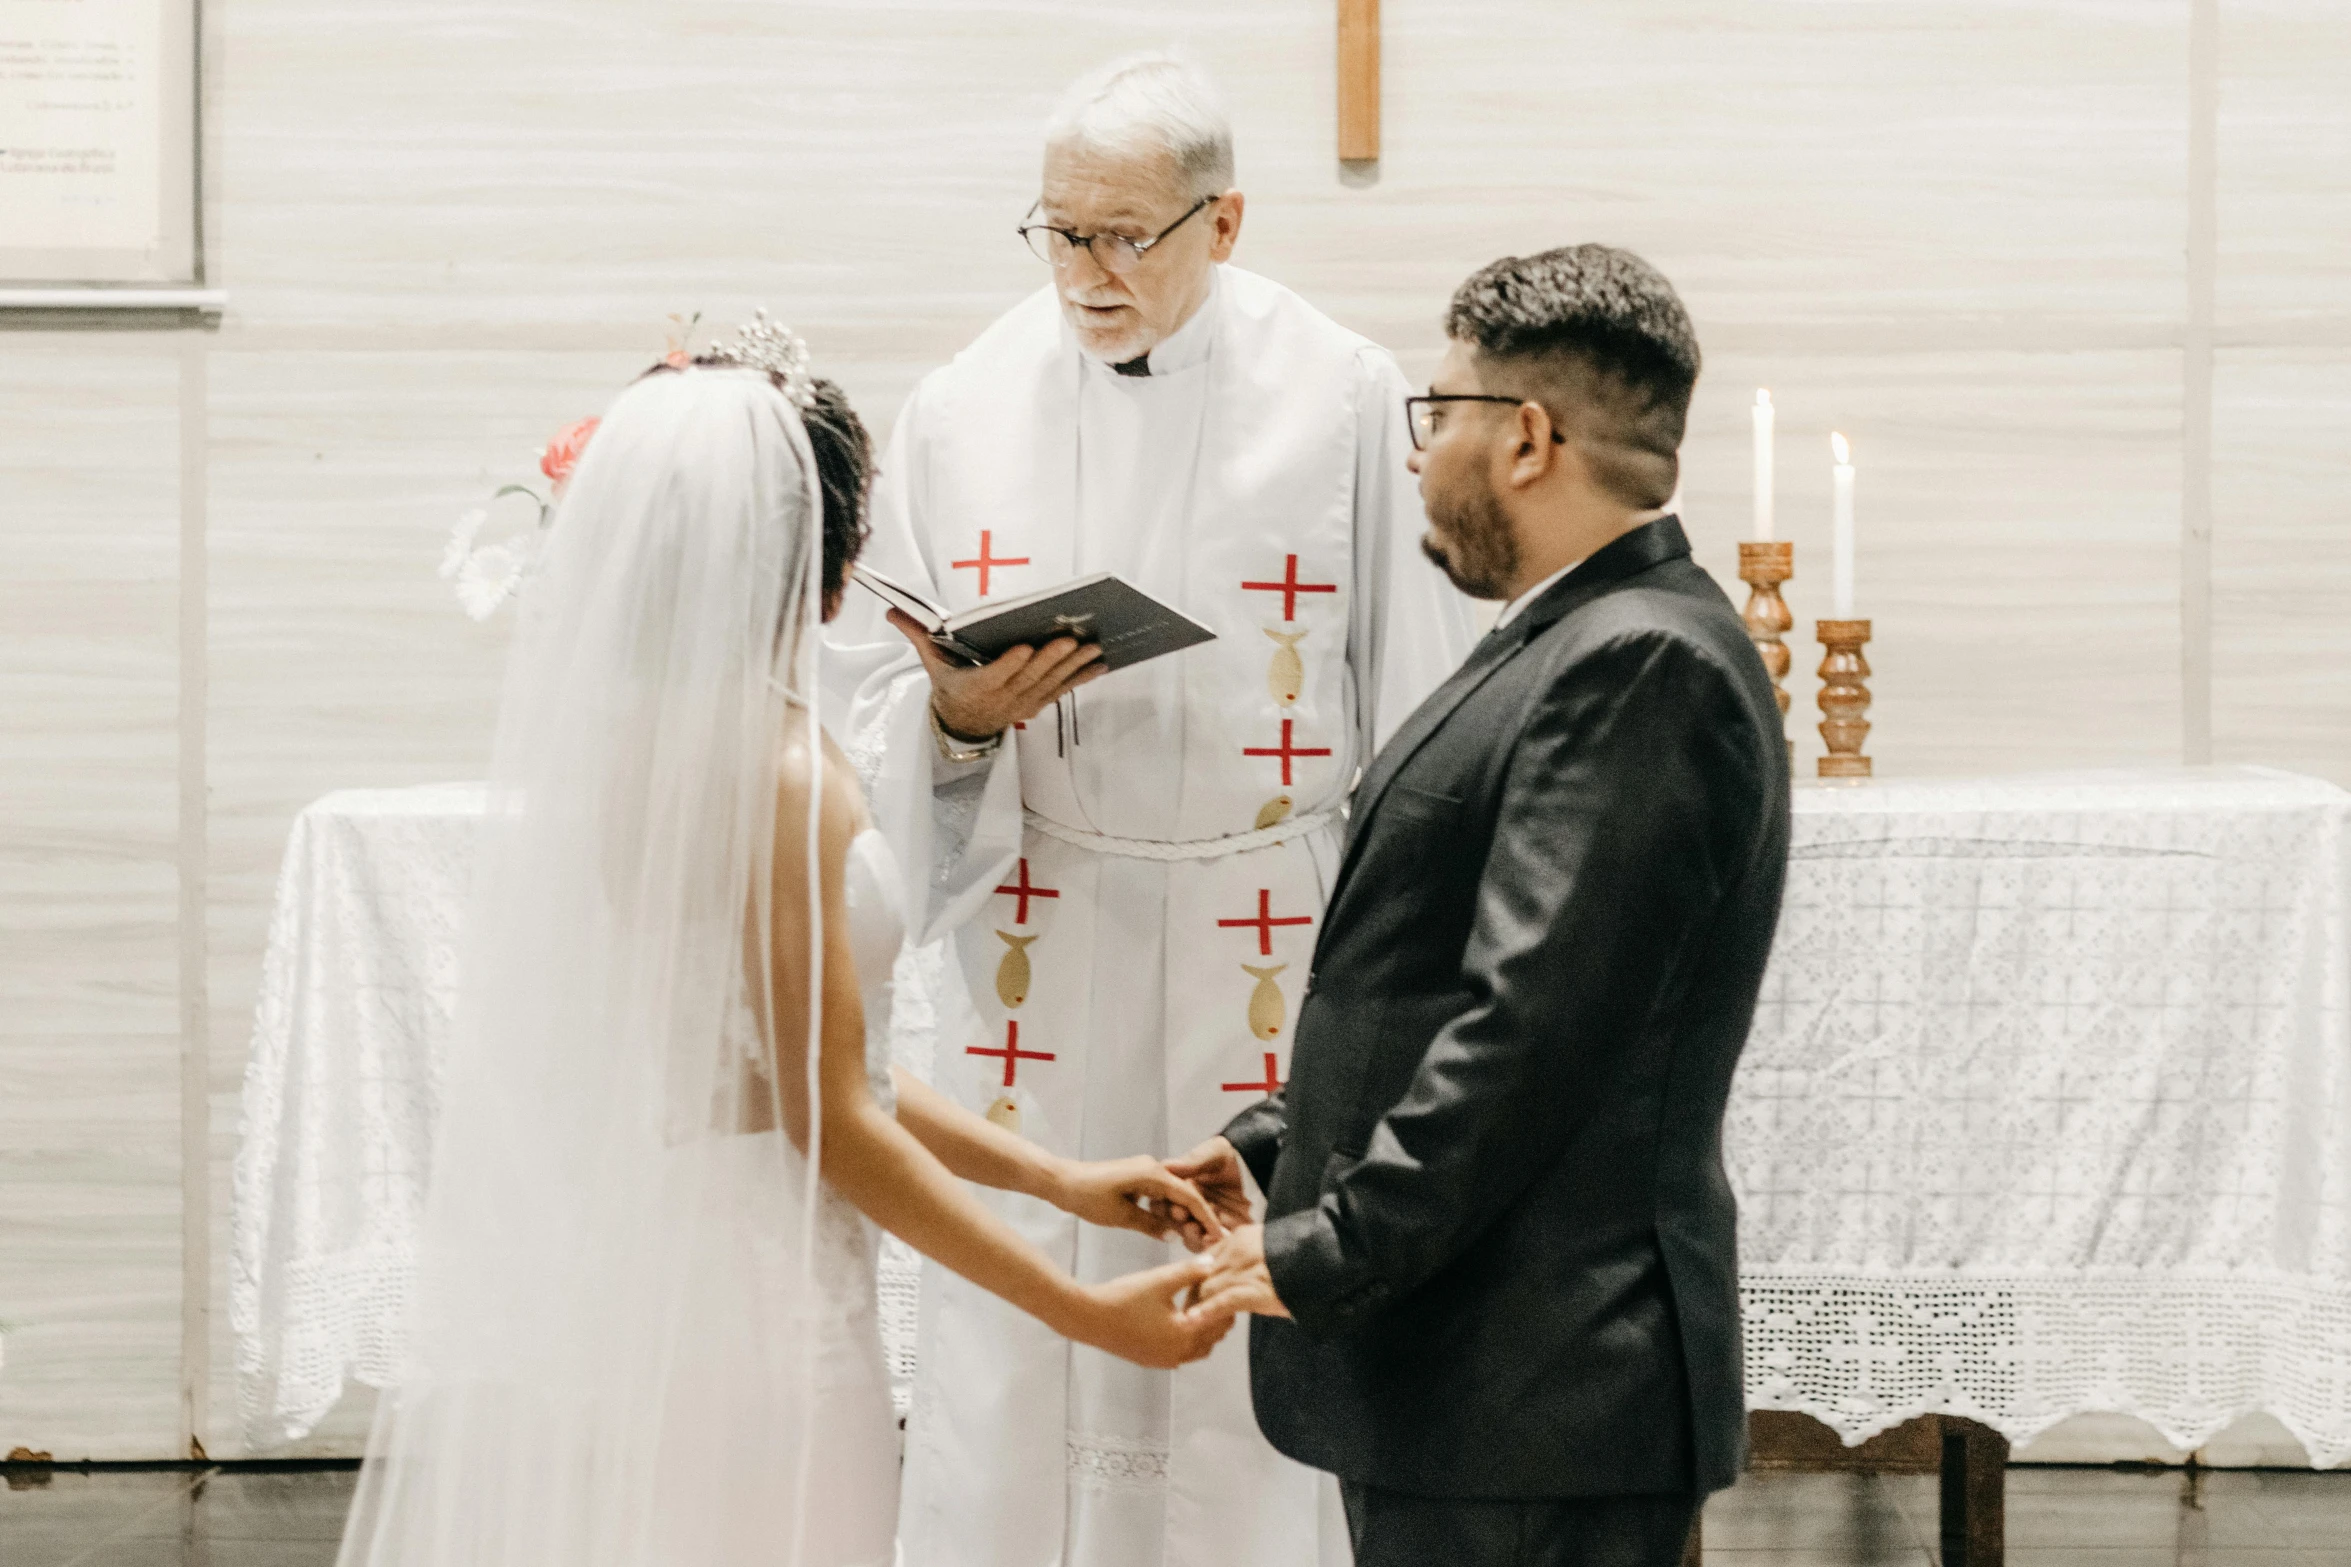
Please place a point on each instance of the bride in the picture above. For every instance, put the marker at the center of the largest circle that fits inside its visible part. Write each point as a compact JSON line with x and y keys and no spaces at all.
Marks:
{"x":643,"y":1334}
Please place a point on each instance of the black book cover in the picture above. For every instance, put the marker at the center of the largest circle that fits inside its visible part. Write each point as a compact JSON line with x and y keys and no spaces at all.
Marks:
{"x":1131,"y":625}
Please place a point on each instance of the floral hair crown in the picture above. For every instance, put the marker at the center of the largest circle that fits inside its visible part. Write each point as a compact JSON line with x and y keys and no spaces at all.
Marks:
{"x":768,"y":345}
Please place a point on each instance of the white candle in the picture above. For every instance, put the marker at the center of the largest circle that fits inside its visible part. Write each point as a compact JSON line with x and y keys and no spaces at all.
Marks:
{"x":1763,"y":418}
{"x":1841,"y":541}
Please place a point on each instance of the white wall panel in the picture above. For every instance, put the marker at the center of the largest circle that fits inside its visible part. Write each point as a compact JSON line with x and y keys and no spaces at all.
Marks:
{"x":89,"y":791}
{"x":2281,"y":481}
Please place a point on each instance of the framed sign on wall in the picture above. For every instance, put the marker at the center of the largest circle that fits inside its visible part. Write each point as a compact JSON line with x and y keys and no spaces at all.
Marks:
{"x":99,"y":148}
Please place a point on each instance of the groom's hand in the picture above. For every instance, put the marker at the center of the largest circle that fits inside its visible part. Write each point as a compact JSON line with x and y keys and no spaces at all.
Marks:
{"x":1137,"y":1194}
{"x":1238,"y":1280}
{"x":977,"y":703}
{"x":1215,"y":1168}
{"x":1141,"y":1317}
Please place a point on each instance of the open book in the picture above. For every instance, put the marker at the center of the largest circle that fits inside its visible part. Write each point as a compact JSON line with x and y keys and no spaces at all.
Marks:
{"x":1131,"y":625}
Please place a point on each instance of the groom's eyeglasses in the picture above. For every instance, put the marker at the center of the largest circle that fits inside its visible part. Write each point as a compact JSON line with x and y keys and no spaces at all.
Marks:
{"x":1113,"y":253}
{"x":1422,"y":414}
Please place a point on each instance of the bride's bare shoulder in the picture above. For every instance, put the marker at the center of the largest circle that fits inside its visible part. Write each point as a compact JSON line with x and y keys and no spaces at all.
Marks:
{"x":841,"y":813}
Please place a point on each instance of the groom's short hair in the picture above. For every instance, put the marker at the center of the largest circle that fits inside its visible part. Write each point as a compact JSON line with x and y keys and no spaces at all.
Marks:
{"x":1600,"y":339}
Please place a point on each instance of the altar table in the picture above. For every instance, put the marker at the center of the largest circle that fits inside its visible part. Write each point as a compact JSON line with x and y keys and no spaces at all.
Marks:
{"x":2046,"y":1110}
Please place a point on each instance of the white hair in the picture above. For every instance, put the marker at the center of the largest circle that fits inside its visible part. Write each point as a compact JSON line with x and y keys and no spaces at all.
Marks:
{"x":1153,"y":101}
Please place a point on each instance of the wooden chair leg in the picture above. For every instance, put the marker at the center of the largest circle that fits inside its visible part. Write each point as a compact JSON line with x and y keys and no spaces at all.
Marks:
{"x":1975,"y":1483}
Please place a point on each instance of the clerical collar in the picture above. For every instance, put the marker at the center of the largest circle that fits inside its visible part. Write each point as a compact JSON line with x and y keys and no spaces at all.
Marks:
{"x":1187,"y":345}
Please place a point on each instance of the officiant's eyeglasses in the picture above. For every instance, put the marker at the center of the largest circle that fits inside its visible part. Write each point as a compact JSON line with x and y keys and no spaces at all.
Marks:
{"x":1113,"y":253}
{"x":1420,"y":413}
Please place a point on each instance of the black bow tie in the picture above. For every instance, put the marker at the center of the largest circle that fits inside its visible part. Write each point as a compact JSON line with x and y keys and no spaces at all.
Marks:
{"x":1139,"y":365}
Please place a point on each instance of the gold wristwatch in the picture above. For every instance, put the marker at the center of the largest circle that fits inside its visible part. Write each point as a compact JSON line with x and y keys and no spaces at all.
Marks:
{"x":953,"y":749}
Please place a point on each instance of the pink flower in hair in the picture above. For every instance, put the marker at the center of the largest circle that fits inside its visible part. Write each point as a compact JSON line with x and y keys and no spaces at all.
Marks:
{"x":563,"y":453}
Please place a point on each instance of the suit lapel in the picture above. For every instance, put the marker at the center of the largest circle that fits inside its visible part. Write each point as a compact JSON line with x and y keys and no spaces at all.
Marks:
{"x":1613,"y":564}
{"x":1488,"y":656}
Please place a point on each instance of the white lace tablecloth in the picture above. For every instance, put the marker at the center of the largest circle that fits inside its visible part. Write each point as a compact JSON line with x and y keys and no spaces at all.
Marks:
{"x":2047,"y":1109}
{"x":357,"y":990}
{"x":357,"y":987}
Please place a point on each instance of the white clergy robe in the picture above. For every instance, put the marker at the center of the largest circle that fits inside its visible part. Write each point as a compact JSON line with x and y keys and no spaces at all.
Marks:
{"x":1132,"y":884}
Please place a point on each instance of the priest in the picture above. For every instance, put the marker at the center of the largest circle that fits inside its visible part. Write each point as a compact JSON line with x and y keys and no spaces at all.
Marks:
{"x":1131,"y":867}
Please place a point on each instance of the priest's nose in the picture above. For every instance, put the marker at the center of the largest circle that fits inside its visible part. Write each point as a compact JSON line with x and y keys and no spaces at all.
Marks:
{"x":1082,"y":275}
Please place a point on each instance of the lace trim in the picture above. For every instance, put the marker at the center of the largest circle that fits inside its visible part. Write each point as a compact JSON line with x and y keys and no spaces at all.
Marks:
{"x":1117,"y":1462}
{"x":865,"y":748}
{"x":2188,"y":1353}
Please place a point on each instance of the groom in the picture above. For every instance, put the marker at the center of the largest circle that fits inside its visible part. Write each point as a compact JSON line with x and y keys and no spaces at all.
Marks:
{"x":1498,"y":1260}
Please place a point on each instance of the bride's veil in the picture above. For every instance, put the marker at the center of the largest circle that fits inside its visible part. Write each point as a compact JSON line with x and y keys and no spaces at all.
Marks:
{"x":613,"y":1345}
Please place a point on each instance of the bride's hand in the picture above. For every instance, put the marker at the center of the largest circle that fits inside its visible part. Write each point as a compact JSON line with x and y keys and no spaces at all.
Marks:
{"x":1141,"y":1317}
{"x":1137,"y":1194}
{"x":1215,"y":1169}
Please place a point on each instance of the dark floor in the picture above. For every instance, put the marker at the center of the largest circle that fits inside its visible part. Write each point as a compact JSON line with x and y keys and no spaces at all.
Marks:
{"x":2073,"y":1517}
{"x":211,"y":1518}
{"x":2056,"y":1518}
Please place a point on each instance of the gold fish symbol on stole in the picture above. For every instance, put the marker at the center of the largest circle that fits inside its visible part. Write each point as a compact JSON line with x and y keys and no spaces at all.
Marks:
{"x":1266,"y":1009}
{"x":1273,"y":811}
{"x":1285,"y":677}
{"x":1005,"y":1112}
{"x":1012,"y":975}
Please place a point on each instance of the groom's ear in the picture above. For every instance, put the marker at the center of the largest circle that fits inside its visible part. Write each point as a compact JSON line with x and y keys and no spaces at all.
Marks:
{"x":1535,"y":452}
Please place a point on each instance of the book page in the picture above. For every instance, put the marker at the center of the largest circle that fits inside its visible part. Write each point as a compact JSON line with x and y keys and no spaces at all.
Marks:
{"x":898,"y":597}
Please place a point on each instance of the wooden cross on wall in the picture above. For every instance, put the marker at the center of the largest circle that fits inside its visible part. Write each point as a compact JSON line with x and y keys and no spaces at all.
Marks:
{"x":1359,"y":81}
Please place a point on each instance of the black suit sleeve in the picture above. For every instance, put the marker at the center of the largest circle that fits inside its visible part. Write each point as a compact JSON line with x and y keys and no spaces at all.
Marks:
{"x":1256,"y":1134}
{"x":1627,"y":806}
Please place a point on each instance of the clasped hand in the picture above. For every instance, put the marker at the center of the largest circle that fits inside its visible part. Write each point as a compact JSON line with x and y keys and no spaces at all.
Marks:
{"x":1175,"y":1314}
{"x":1144,"y":1317}
{"x":1139,"y":1194}
{"x":1237,"y":1280}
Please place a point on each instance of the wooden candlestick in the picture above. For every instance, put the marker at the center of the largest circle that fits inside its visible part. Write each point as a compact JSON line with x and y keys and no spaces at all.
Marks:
{"x":1763,"y":567}
{"x":1844,"y":697}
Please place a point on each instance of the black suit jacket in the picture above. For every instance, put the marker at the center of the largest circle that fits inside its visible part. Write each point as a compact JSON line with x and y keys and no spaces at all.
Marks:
{"x":1497,"y":1207}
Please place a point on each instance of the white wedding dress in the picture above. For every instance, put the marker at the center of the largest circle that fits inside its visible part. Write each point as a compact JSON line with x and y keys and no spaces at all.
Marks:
{"x":643,"y":1336}
{"x":721,"y":1446}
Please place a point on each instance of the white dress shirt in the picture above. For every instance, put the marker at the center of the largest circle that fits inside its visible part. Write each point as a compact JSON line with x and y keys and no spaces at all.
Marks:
{"x":1511,"y":609}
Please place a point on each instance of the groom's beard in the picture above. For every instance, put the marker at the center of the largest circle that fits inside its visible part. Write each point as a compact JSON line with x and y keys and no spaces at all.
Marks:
{"x":1470,"y":541}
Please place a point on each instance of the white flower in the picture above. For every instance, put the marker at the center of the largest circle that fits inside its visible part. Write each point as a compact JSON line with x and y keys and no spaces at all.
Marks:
{"x":461,"y":537}
{"x":488,"y":577}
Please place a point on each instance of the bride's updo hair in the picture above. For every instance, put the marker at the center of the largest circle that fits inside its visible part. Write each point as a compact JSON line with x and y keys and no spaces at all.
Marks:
{"x":844,"y":462}
{"x":844,"y":466}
